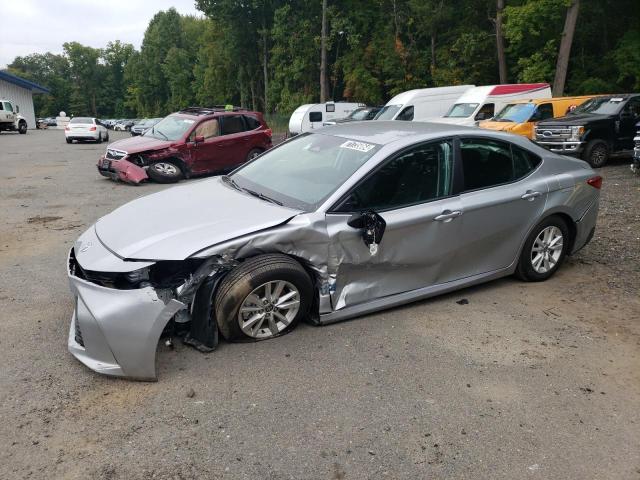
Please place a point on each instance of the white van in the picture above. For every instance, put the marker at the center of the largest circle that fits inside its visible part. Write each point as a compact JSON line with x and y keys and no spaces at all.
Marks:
{"x":421,"y":103}
{"x":311,"y":115}
{"x":483,"y":103}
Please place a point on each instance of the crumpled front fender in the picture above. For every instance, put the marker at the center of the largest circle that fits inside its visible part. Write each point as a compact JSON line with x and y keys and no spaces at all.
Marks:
{"x":129,"y":172}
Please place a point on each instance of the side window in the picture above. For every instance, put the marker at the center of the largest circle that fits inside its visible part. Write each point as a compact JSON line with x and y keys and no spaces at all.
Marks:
{"x":8,"y":107}
{"x":207,"y":129}
{"x":252,"y":122}
{"x":544,"y":111}
{"x":406,"y":114}
{"x":633,"y":107}
{"x":419,"y":175}
{"x":232,"y":124}
{"x":1,"y":107}
{"x":524,"y":162}
{"x":485,"y":163}
{"x":315,"y":116}
{"x":486,"y":111}
{"x":331,"y":107}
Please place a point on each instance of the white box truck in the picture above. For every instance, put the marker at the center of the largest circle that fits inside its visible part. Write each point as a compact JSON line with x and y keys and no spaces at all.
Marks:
{"x":422,"y":103}
{"x":483,"y":103}
{"x":311,"y":115}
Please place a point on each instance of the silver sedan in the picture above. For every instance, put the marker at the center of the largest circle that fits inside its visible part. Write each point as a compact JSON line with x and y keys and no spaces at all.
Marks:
{"x":327,"y":226}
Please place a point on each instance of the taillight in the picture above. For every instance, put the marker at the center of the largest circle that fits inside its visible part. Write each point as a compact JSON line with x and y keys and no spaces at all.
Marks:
{"x":595,"y":182}
{"x":269,"y":132}
{"x":92,"y":129}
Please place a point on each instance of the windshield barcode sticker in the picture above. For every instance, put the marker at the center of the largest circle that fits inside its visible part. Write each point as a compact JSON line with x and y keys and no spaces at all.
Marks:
{"x":358,"y":146}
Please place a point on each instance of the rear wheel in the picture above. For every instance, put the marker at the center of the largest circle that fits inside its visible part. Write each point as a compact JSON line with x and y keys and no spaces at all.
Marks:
{"x":22,"y":127}
{"x":165,"y":171}
{"x":253,"y":154}
{"x":596,"y":153}
{"x":262,"y":298}
{"x":544,"y":251}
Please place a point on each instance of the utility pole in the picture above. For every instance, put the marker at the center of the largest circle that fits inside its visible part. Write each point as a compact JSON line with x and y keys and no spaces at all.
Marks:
{"x":502,"y":60}
{"x":324,"y":84}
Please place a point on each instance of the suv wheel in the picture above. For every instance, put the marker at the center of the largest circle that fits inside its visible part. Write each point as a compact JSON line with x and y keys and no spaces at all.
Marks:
{"x":596,"y":153}
{"x":166,"y":171}
{"x":264,"y":297}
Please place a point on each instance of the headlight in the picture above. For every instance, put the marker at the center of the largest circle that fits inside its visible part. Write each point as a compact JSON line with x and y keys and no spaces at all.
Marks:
{"x":576,"y":133}
{"x":138,"y":275}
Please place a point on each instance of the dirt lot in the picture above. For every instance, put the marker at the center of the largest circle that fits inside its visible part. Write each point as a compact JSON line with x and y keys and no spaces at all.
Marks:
{"x":524,"y":381}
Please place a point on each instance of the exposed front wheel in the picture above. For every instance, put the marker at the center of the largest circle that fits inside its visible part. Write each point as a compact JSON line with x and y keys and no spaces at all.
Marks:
{"x":544,"y":251}
{"x":165,"y":172}
{"x":264,"y":297}
{"x":596,"y":153}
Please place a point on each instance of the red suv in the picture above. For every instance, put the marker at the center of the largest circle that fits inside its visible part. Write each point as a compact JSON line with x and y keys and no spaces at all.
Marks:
{"x":194,"y":141}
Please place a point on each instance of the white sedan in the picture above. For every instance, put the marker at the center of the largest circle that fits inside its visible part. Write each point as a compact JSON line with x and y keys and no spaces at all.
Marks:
{"x":86,"y":128}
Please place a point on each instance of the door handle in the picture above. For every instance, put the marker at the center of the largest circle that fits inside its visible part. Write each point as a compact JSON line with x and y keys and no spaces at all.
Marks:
{"x":448,"y":215}
{"x":530,"y":195}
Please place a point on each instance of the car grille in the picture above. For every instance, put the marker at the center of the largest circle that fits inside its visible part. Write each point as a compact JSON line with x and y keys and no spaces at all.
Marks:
{"x":553,"y":133}
{"x":114,"y":154}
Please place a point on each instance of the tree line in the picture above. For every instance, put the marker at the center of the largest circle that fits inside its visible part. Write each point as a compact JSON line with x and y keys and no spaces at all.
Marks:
{"x":273,"y":55}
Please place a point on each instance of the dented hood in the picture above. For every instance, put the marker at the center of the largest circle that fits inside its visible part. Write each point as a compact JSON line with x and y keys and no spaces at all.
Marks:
{"x":140,"y":143}
{"x":177,"y":222}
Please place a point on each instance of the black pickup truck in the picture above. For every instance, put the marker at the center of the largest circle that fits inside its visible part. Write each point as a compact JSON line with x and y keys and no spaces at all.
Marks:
{"x":594,"y":130}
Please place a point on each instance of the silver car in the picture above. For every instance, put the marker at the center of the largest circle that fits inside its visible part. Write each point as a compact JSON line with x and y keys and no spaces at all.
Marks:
{"x":327,"y":226}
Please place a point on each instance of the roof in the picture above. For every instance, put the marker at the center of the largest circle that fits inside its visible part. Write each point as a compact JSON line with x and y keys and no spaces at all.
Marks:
{"x":384,"y":132}
{"x":537,"y":101}
{"x":211,"y":110}
{"x":21,"y":82}
{"x":512,"y":88}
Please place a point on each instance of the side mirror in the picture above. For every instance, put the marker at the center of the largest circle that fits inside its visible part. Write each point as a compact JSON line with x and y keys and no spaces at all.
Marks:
{"x":372,"y":226}
{"x":198,"y":139}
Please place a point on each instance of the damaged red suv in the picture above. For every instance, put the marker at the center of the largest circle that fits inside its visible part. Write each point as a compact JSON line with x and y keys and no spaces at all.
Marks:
{"x":193,"y":141}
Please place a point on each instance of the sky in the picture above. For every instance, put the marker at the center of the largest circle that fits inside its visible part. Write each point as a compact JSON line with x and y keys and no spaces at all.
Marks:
{"x":39,"y":26}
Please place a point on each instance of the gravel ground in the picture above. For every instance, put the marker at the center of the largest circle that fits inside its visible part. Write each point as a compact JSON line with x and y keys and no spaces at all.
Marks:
{"x":523,"y":381}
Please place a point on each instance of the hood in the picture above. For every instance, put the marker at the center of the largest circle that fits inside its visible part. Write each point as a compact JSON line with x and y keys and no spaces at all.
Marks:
{"x":498,"y":126}
{"x":140,"y":144}
{"x":573,"y":120}
{"x":180,"y":221}
{"x":452,"y":120}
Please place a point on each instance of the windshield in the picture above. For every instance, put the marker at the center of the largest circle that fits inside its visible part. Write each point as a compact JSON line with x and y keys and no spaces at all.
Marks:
{"x":302,"y":172}
{"x":388,"y":112}
{"x":516,"y":112}
{"x":81,"y":120}
{"x":170,"y":128}
{"x":602,"y":105}
{"x":360,"y":114}
{"x":462,"y":110}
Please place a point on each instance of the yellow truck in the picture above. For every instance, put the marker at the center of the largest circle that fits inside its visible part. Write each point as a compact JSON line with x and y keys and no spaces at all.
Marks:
{"x":521,"y":116}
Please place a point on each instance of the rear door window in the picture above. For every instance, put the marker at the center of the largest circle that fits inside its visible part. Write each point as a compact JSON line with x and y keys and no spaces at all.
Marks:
{"x":232,"y":124}
{"x":487,"y":163}
{"x":252,"y":122}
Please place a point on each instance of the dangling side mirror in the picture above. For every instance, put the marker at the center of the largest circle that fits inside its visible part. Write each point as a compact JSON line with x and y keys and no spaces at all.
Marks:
{"x":372,"y":226}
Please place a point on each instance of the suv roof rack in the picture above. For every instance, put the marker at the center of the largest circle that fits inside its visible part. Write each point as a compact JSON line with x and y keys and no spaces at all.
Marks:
{"x":212,"y":109}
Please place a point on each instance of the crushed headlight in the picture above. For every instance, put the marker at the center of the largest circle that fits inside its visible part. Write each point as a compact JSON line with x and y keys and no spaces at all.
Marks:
{"x":576,"y":132}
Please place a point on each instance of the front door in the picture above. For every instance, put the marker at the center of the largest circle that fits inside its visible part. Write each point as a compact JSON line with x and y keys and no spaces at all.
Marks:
{"x":207,"y":154}
{"x":501,"y":199}
{"x":412,"y":192}
{"x":629,"y":117}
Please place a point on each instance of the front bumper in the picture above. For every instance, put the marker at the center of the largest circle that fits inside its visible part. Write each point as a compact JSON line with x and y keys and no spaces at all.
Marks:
{"x":122,"y":170}
{"x":564,"y":148}
{"x":116,"y":332}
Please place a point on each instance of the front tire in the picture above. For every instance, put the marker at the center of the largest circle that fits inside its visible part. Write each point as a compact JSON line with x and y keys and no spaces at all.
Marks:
{"x":99,"y":140}
{"x":165,"y":171}
{"x":596,"y":153}
{"x":544,"y":251}
{"x":22,"y":127}
{"x":253,"y":154}
{"x":69,"y":140}
{"x":264,"y":297}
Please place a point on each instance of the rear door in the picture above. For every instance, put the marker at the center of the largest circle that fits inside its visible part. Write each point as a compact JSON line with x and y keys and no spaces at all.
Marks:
{"x":234,"y":142}
{"x":255,"y":136}
{"x":502,"y":199}
{"x":412,"y":192}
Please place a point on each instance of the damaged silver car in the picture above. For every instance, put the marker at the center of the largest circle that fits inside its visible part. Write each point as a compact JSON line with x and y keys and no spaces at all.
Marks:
{"x":331,"y":225}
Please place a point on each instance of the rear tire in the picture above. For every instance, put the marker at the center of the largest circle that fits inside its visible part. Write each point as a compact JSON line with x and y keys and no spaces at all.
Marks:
{"x":596,"y":153}
{"x":243,"y":297}
{"x":544,"y":251}
{"x":253,"y":154}
{"x":165,"y":171}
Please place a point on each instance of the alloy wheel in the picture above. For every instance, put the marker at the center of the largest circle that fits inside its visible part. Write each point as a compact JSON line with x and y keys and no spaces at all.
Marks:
{"x":166,"y":168}
{"x":547,"y":249}
{"x":269,"y":309}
